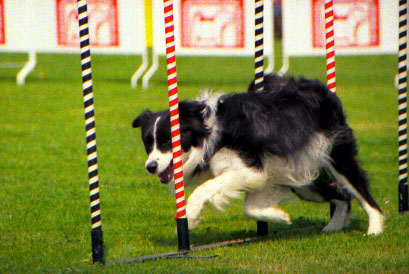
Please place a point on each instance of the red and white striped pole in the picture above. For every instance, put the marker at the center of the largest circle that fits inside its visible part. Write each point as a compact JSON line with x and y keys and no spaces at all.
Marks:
{"x":181,"y":220}
{"x":330,"y":45}
{"x":330,"y":48}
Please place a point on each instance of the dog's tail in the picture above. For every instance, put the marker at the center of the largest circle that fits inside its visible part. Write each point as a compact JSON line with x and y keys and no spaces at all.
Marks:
{"x":272,"y":82}
{"x":313,"y":93}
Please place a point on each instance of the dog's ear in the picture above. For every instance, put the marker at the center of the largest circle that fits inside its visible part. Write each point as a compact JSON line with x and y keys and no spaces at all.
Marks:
{"x":191,"y":109}
{"x":142,"y":118}
{"x":192,"y":124}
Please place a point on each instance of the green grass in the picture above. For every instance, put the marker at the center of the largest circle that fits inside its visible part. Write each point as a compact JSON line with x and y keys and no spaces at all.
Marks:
{"x":44,"y":214}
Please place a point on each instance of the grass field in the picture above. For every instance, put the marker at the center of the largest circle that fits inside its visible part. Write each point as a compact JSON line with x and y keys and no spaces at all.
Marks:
{"x":44,"y":214}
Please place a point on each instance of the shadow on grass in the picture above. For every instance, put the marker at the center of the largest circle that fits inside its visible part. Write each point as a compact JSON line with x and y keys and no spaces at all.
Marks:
{"x":300,"y":228}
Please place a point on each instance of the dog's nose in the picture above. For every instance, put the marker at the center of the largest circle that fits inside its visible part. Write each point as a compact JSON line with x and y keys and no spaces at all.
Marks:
{"x":152,"y":166}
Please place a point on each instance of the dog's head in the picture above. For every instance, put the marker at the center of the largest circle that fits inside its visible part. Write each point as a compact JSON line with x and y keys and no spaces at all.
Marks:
{"x":156,"y":136}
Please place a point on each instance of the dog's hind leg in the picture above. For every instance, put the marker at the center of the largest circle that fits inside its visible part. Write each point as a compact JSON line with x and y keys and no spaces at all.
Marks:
{"x":262,"y":205}
{"x":340,"y":216}
{"x":325,"y":189}
{"x":345,"y":169}
{"x":351,"y":177}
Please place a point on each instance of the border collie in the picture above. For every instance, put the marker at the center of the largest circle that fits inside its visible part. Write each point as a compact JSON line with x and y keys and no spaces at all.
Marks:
{"x":292,"y":137}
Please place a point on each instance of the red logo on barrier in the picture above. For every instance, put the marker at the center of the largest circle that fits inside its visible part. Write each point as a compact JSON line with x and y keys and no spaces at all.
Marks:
{"x":212,"y":23}
{"x":102,"y":21}
{"x":356,"y":23}
{"x":2,"y":32}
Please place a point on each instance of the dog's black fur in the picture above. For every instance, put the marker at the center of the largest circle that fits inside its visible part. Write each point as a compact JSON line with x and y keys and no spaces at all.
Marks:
{"x":291,"y":102}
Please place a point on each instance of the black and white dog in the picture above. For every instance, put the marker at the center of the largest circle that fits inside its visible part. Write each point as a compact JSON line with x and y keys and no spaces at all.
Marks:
{"x":290,"y":138}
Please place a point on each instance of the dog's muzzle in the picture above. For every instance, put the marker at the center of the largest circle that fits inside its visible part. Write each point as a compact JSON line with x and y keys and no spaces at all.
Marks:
{"x":152,"y":167}
{"x":165,"y":176}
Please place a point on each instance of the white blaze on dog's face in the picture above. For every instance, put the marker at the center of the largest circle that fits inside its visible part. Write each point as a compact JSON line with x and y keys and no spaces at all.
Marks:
{"x":158,"y":145}
{"x":160,"y":157}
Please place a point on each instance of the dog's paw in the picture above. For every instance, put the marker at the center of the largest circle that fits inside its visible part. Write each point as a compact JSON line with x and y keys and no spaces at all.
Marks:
{"x":192,"y":223}
{"x":333,"y":227}
{"x":281,"y":216}
{"x":375,"y":224}
{"x":268,"y":214}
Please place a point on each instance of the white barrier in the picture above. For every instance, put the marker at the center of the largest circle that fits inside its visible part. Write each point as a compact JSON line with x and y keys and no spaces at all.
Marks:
{"x":116,"y":26}
{"x":361,"y":27}
{"x":202,"y":27}
{"x":211,"y":28}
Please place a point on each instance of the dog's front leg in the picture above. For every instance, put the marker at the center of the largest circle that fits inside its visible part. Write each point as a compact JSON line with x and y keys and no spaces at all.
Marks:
{"x":262,"y":205}
{"x":217,"y":192}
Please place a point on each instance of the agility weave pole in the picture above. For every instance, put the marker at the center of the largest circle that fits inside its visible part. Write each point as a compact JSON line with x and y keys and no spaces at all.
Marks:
{"x":96,"y":224}
{"x":181,"y":220}
{"x":259,"y":45}
{"x":330,"y":44}
{"x":402,"y":108}
{"x":262,"y":227}
{"x":330,"y":55}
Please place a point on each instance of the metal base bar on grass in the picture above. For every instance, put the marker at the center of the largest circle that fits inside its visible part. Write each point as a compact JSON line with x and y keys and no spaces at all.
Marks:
{"x":402,"y":108}
{"x":96,"y":224}
{"x":183,"y":253}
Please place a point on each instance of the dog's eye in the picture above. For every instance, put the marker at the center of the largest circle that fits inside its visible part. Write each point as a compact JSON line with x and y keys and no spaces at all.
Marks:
{"x":165,"y":142}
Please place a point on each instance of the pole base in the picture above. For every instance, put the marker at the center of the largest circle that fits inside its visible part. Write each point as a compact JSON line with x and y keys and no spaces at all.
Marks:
{"x":97,"y":246}
{"x":403,"y":198}
{"x":183,"y":234}
{"x":262,"y":228}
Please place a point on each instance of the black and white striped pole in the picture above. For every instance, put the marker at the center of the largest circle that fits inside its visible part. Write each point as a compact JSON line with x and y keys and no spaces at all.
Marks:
{"x":262,"y":227}
{"x":96,"y":225}
{"x":259,"y":45}
{"x":402,"y":108}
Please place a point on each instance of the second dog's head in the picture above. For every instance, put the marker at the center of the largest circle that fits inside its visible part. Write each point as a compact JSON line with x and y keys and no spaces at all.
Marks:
{"x":156,"y":136}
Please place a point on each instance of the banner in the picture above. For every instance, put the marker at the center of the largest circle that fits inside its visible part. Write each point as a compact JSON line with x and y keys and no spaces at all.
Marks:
{"x":212,"y":24}
{"x":212,"y":27}
{"x":360,"y":27}
{"x":116,"y":26}
{"x":103,"y":24}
